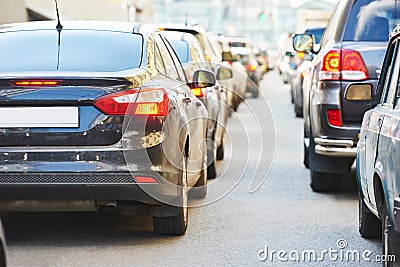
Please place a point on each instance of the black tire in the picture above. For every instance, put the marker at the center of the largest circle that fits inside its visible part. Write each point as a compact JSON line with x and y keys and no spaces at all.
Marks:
{"x":390,"y":240}
{"x":298,"y":111}
{"x":323,"y":182}
{"x":255,"y":93}
{"x":175,"y":225}
{"x":220,"y":151}
{"x":211,"y":170}
{"x":199,"y":190}
{"x":369,"y":225}
{"x":306,"y":158}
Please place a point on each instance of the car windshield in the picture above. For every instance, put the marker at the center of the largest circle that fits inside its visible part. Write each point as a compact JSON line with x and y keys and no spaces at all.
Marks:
{"x":80,"y":51}
{"x":372,"y":20}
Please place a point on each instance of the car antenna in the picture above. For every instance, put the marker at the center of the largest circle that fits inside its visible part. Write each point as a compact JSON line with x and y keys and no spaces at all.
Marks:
{"x":59,"y":26}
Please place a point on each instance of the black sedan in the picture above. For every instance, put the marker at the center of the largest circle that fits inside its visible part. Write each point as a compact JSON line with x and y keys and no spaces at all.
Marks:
{"x":99,"y":116}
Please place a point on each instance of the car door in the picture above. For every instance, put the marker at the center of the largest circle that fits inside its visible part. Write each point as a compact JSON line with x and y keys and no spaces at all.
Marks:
{"x":375,"y":119}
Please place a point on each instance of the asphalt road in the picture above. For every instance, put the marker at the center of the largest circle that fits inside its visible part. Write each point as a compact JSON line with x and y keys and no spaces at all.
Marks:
{"x":283,"y":214}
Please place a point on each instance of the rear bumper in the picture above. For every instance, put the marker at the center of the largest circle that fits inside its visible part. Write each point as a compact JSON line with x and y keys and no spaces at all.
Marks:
{"x":335,"y":148}
{"x":88,"y":186}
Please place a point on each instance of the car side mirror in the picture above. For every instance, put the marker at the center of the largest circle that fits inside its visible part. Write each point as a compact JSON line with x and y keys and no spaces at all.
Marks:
{"x":224,"y":73}
{"x":227,"y":56}
{"x":303,"y":43}
{"x":202,"y":79}
{"x":359,"y":92}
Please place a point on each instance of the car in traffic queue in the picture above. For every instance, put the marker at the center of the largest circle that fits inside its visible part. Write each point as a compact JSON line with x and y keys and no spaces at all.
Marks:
{"x":303,"y":67}
{"x":352,"y":51}
{"x":378,"y":151}
{"x":99,"y":116}
{"x":236,"y":94}
{"x":215,"y":60}
{"x":192,"y":57}
{"x":243,"y":53}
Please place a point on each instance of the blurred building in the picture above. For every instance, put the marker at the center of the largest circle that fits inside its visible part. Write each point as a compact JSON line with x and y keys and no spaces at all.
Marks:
{"x":120,"y":10}
{"x":263,"y":21}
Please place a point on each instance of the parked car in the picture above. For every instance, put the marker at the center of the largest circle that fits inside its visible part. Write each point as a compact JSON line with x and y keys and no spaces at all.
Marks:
{"x":99,"y":116}
{"x":192,"y":57}
{"x":3,"y":247}
{"x":237,"y":93}
{"x":303,"y":67}
{"x":352,"y":50}
{"x":378,"y":153}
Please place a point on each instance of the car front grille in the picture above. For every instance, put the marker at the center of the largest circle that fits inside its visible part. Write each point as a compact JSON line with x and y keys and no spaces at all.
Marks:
{"x":66,"y":178}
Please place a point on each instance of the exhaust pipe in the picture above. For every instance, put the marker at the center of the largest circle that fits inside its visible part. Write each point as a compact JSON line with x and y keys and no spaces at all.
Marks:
{"x":105,"y":206}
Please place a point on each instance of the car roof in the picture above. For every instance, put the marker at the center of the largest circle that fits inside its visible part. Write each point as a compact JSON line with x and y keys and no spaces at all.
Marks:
{"x":182,"y":36}
{"x":181,"y":27}
{"x":127,"y":27}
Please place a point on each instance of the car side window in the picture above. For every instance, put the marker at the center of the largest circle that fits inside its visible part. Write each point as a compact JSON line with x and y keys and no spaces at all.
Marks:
{"x":177,"y":63}
{"x":390,"y":75}
{"x":170,"y":69}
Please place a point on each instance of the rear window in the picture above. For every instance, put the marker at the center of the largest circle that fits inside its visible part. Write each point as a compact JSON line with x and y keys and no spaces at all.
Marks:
{"x":80,"y":51}
{"x":372,"y":20}
{"x":181,"y":48}
{"x":237,"y":44}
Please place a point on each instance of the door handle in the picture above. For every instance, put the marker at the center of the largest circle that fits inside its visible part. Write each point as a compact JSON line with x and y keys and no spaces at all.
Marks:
{"x":380,"y":123}
{"x":186,"y":100}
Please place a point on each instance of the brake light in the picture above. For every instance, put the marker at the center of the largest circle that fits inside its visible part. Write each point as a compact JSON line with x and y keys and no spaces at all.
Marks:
{"x":31,"y":83}
{"x":343,"y":64}
{"x":335,"y":117}
{"x":147,"y":101}
{"x":251,"y":67}
{"x":198,"y":92}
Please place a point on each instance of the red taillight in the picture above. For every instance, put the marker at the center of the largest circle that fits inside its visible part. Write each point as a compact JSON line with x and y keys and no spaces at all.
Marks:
{"x":147,"y":101}
{"x":198,"y":92}
{"x":145,"y":180}
{"x":353,"y":66}
{"x":31,"y":83}
{"x":251,"y":67}
{"x":335,"y":117}
{"x":343,"y":64}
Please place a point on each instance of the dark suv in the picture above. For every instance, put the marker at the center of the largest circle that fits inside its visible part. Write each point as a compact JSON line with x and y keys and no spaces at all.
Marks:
{"x":352,"y":51}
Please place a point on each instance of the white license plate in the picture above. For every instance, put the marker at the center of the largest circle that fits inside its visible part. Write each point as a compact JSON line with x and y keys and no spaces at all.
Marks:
{"x":39,"y":117}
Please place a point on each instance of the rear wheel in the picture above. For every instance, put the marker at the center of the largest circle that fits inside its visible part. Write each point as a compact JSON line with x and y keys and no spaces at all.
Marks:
{"x":175,"y":225}
{"x":220,"y":151}
{"x":211,"y":158}
{"x":298,"y":111}
{"x":323,"y":182}
{"x":200,"y":188}
{"x":306,"y":160}
{"x":390,"y":240}
{"x":369,"y":225}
